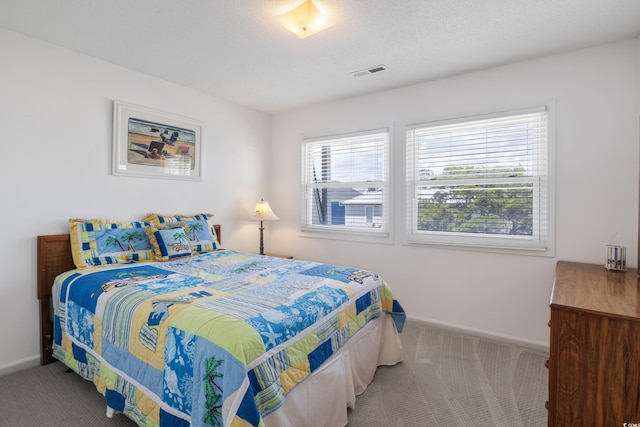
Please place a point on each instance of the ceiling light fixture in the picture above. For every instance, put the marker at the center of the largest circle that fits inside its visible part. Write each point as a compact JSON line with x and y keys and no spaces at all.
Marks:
{"x":305,"y":20}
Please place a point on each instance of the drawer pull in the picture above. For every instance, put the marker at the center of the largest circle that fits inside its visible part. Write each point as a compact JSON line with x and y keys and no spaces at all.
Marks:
{"x":546,"y":363}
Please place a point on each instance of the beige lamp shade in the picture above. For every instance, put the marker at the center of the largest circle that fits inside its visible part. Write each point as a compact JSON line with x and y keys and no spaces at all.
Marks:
{"x":263,"y":212}
{"x":305,"y":20}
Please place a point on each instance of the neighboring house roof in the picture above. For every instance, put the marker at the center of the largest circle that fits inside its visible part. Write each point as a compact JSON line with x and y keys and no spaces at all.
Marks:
{"x":370,"y":197}
{"x":340,"y":194}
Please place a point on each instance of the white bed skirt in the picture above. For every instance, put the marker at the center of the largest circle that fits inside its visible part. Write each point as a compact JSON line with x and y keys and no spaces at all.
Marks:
{"x":322,"y":399}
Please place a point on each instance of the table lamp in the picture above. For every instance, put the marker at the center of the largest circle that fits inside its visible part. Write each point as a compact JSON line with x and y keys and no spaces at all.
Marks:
{"x":263,"y":212}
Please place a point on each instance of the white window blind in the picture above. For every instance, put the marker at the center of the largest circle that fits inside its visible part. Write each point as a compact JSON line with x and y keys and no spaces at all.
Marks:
{"x":346,"y":183}
{"x":481,"y":181}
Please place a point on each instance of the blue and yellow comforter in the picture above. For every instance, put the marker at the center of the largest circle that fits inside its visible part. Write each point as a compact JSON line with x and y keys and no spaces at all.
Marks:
{"x":214,"y":340}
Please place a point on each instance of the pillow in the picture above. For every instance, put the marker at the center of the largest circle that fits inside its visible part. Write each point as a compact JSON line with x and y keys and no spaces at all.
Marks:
{"x":200,"y":231}
{"x":104,"y":241}
{"x":169,"y":241}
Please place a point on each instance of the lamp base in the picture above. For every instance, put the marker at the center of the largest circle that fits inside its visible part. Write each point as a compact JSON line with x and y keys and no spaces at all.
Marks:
{"x":261,"y":239}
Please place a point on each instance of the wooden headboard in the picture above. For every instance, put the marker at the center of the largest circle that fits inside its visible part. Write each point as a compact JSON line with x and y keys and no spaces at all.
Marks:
{"x":54,"y":258}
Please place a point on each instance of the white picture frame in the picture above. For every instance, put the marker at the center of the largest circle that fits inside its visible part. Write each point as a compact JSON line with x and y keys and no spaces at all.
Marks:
{"x":155,"y":144}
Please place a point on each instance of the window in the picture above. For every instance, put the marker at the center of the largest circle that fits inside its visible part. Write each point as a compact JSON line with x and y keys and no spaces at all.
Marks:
{"x":345,"y":184}
{"x":481,"y":182}
{"x":369,"y":214}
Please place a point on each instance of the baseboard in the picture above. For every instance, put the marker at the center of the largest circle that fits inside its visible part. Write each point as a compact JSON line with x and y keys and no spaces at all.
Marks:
{"x":19,"y":365}
{"x":509,"y":339}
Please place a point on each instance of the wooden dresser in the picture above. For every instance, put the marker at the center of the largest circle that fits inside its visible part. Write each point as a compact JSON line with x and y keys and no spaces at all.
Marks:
{"x":594,"y":361}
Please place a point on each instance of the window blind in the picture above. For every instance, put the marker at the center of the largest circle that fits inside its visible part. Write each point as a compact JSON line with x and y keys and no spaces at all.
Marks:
{"x":480,"y":181}
{"x":345,"y":182}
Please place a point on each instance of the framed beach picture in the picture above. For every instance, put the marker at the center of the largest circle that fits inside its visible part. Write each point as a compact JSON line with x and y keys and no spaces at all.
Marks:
{"x":150,"y":143}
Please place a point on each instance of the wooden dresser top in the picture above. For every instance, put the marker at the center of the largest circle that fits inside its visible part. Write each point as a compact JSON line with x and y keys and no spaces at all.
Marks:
{"x":592,"y":288}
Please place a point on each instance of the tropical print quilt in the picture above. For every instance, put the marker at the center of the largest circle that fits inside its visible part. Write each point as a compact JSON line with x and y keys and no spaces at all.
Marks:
{"x":218,"y":339}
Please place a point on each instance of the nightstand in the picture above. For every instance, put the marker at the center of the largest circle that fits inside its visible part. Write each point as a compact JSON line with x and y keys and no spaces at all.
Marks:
{"x":280,"y":256}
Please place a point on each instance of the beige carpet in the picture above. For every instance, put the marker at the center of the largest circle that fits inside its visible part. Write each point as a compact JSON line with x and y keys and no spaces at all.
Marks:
{"x":447,"y":379}
{"x":450,"y":379}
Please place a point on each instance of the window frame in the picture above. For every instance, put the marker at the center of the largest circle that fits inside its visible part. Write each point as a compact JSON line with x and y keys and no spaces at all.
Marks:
{"x":378,"y":234}
{"x":543,"y":245}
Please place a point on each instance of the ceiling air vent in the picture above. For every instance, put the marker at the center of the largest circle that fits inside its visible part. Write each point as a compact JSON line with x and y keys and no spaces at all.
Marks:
{"x":372,"y":70}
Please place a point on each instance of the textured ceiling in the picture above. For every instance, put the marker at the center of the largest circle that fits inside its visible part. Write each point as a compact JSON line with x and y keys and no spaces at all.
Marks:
{"x":237,"y":50}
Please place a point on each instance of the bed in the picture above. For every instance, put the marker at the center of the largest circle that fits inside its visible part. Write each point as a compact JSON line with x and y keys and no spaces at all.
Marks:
{"x":216,"y":337}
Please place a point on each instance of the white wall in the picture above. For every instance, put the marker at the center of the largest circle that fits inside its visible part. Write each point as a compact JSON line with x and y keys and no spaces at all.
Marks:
{"x":55,"y":145}
{"x":596,"y":96}
{"x":55,"y":127}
